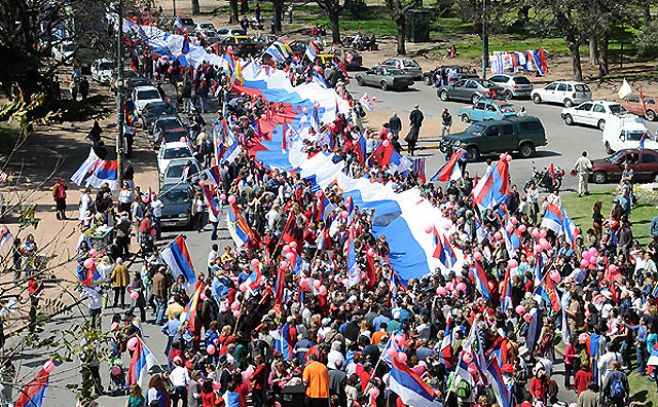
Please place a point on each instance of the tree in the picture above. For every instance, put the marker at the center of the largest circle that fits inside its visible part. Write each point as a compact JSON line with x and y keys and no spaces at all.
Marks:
{"x":196,"y":10}
{"x":277,"y":15}
{"x":233,"y":5}
{"x":333,"y":8}
{"x":398,"y":11}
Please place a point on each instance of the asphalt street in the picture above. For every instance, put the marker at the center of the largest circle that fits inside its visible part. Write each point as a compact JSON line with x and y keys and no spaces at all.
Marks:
{"x":565,"y":145}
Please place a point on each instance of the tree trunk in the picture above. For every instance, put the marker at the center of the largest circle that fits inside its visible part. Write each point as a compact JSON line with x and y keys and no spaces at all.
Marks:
{"x":401,"y":25}
{"x":278,"y":16}
{"x":233,"y":19}
{"x":646,"y":13}
{"x":593,"y":51}
{"x":196,"y":10}
{"x":603,"y":56}
{"x":485,"y":51}
{"x":574,"y":49}
{"x":334,"y":20}
{"x":522,"y":16}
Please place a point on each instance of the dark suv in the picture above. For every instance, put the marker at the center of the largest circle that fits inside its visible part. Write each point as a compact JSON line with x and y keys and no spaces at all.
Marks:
{"x":522,"y":134}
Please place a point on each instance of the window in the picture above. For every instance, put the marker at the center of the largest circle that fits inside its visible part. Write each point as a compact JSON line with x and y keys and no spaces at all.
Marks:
{"x":521,"y":80}
{"x":479,"y":106}
{"x":634,"y":99}
{"x":459,"y":84}
{"x":507,"y":129}
{"x":617,"y":109}
{"x":598,"y":109}
{"x":471,"y":85}
{"x":648,"y":158}
{"x":585,"y":107}
{"x":148,"y":95}
{"x":531,"y":125}
{"x":581,"y":88}
{"x":493,"y":131}
{"x":562,"y":87}
{"x":389,"y":62}
{"x":551,"y":86}
{"x":569,"y":88}
{"x":182,"y":152}
{"x":498,"y":79}
{"x":491,"y":108}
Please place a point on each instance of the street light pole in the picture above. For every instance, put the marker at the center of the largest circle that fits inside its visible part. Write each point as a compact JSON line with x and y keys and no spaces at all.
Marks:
{"x":120,"y":118}
{"x":485,"y":55}
{"x":174,"y":4}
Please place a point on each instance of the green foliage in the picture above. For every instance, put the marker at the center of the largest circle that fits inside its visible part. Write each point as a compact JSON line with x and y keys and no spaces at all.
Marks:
{"x":358,"y":9}
{"x":646,"y":42}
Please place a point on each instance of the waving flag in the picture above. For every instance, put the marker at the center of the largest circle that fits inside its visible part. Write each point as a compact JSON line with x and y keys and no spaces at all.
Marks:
{"x":506,"y":295}
{"x":503,"y":392}
{"x":87,"y":167}
{"x":569,"y":229}
{"x":237,"y":226}
{"x":34,"y":393}
{"x":323,"y":207}
{"x":212,"y":175}
{"x":353,"y":272}
{"x":275,"y":53}
{"x":444,"y":251}
{"x":445,"y":352}
{"x":186,"y":44}
{"x":284,"y":47}
{"x":512,"y":241}
{"x":105,"y":171}
{"x":288,"y":341}
{"x":189,"y":312}
{"x":311,"y":51}
{"x":231,"y":153}
{"x":279,"y":288}
{"x":553,"y":219}
{"x":253,"y":281}
{"x":366,"y":102}
{"x":551,"y":293}
{"x":320,"y":80}
{"x":534,"y":329}
{"x":141,"y":362}
{"x":5,"y":235}
{"x":411,"y":389}
{"x":450,"y":170}
{"x":494,"y":187}
{"x":210,"y":199}
{"x":594,"y":346}
{"x":176,"y":256}
{"x":479,"y":278}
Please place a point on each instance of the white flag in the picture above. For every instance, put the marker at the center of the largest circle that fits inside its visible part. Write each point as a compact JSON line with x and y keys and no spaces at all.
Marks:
{"x":366,"y":102}
{"x":625,"y":90}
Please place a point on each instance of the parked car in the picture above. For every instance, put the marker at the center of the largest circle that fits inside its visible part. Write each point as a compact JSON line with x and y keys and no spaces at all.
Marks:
{"x":176,"y":201}
{"x":384,"y":77}
{"x":153,"y":111}
{"x":224,"y":33}
{"x":263,"y":41}
{"x":166,"y":135}
{"x":626,"y":132}
{"x":101,"y":70}
{"x":515,"y":86}
{"x":174,"y":171}
{"x":63,"y":52}
{"x":242,"y":45}
{"x":487,"y":109}
{"x":350,"y":57}
{"x":468,"y":90}
{"x":567,"y":93}
{"x":299,"y":46}
{"x":523,"y":134}
{"x":165,"y":122}
{"x":644,"y":164}
{"x":594,"y":113}
{"x":134,"y":82}
{"x":204,"y":26}
{"x":188,"y":24}
{"x":407,"y":65}
{"x":450,"y":73}
{"x":172,"y":151}
{"x":634,"y":104}
{"x":143,"y":95}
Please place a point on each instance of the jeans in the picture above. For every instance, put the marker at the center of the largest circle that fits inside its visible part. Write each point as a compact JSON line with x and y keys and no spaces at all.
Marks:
{"x":213,"y":234}
{"x":160,"y":307}
{"x":156,"y":225}
{"x":180,"y":393}
{"x":568,"y":372}
{"x":641,"y":355}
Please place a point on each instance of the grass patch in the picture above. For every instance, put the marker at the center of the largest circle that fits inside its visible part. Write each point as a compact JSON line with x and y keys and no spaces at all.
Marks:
{"x":642,"y":390}
{"x":580,"y":210}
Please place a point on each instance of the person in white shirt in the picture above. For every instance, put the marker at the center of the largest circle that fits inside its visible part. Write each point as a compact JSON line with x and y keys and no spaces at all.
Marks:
{"x":212,"y":255}
{"x":156,"y":212}
{"x":605,"y":362}
{"x":583,"y":167}
{"x":86,"y":204}
{"x":532,"y":201}
{"x":179,"y":378}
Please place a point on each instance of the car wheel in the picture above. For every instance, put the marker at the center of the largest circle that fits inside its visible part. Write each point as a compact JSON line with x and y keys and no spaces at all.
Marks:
{"x":359,"y":80}
{"x":599,"y":177}
{"x":508,"y":94}
{"x":473,"y":153}
{"x":443,"y":95}
{"x":601,"y":124}
{"x":568,"y":103}
{"x":383,"y":85}
{"x":650,"y":115}
{"x":537,"y":99}
{"x":526,"y":150}
{"x":608,"y":149}
{"x":568,"y":120}
{"x":475,"y":99}
{"x":428,"y":81}
{"x":465,"y":118}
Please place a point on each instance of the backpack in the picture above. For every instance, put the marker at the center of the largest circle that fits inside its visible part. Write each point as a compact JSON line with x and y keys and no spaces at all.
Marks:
{"x":463,"y":389}
{"x":617,"y":390}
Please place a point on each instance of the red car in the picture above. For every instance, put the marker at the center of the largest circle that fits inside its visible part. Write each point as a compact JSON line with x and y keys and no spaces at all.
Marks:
{"x":644,"y":164}
{"x":634,"y":104}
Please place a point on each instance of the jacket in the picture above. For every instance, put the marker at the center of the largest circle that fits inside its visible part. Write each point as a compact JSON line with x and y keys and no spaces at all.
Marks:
{"x":120,"y":276}
{"x":160,"y":286}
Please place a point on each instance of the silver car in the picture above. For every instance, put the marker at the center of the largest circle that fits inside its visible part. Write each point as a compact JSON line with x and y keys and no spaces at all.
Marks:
{"x":406,"y":65}
{"x":469,"y":90}
{"x":384,"y":77}
{"x":515,"y":86}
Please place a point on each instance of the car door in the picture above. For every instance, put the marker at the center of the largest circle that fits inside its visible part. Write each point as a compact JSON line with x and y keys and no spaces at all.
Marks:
{"x":507,"y":141}
{"x":560,"y":93}
{"x":490,"y":139}
{"x":477,"y":112}
{"x":375,"y":74}
{"x":548,"y":95}
{"x":470,"y":89}
{"x":647,"y":166}
{"x":598,"y":113}
{"x":457,"y":89}
{"x":581,"y":112}
{"x":492,"y":112}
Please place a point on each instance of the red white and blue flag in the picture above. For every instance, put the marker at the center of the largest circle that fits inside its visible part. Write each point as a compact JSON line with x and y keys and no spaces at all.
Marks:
{"x":141,"y":362}
{"x":34,"y":393}
{"x":444,"y":251}
{"x":323,"y":207}
{"x":411,"y":389}
{"x":5,"y":235}
{"x":311,"y":51}
{"x":450,"y":170}
{"x":494,"y":187}
{"x":212,"y":175}
{"x":189,"y":312}
{"x":353,"y":272}
{"x":105,"y":171}
{"x":478,"y":276}
{"x":176,"y":256}
{"x":553,"y":219}
{"x":210,"y":199}
{"x":502,"y":390}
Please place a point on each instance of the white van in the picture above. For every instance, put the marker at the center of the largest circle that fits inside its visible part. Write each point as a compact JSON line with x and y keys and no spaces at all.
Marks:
{"x":626,"y":132}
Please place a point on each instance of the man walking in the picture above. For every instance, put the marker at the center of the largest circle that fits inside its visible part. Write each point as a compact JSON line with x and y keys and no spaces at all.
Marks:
{"x":395,"y":126}
{"x":583,"y":167}
{"x":416,"y":118}
{"x":446,"y":119}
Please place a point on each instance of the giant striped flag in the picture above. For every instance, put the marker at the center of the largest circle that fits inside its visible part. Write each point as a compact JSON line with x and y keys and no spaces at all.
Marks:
{"x":411,"y":389}
{"x":176,"y":256}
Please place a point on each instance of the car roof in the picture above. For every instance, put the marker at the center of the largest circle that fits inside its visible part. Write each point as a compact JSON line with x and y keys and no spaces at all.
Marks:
{"x":179,"y":161}
{"x":172,"y":186}
{"x":146,"y":87}
{"x":176,"y":144}
{"x":570,"y":82}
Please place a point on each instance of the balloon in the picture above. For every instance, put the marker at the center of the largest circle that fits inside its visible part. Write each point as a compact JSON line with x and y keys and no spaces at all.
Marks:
{"x":587,"y":256}
{"x":512,"y":263}
{"x":222,"y":197}
{"x":231,"y":199}
{"x":612,"y":268}
{"x":450,"y":286}
{"x":322,"y":290}
{"x":283,"y":264}
{"x":555,"y":276}
{"x":467,"y":358}
{"x":386,"y":143}
{"x":513,"y":221}
{"x":498,"y":236}
{"x":472,"y":369}
{"x":582,"y":338}
{"x":235,"y":306}
{"x":49,"y":366}
{"x":132,"y":343}
{"x":389,"y":137}
{"x":502,"y":156}
{"x":527,"y":318}
{"x":441,"y":291}
{"x":509,"y":228}
{"x":344,"y":214}
{"x":374,"y":392}
{"x":89,"y":263}
{"x":520,"y":309}
{"x":593,"y":251}
{"x":255,"y":263}
{"x":477,"y":256}
{"x":584,"y":263}
{"x":508,"y":158}
{"x":203,"y":297}
{"x":317,"y":284}
{"x":522,"y":228}
{"x":542,"y":233}
{"x":93,"y":252}
{"x":392,"y":352}
{"x":402,"y":357}
{"x":461,"y":287}
{"x":286,"y":249}
{"x":290,"y":257}
{"x":211,"y":349}
{"x":243,"y":288}
{"x":371,"y":252}
{"x":293,"y":245}
{"x":429,"y":229}
{"x":134,"y":295}
{"x":305,"y":110}
{"x":535,"y":233}
{"x":236,"y":314}
{"x":538,"y":249}
{"x":545,"y":245}
{"x":304,"y":285}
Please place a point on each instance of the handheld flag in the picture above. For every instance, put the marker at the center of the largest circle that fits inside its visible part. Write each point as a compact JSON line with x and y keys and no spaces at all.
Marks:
{"x":411,"y":389}
{"x":625,"y":90}
{"x":494,"y":187}
{"x":5,"y":235}
{"x":238,"y":227}
{"x":450,"y":170}
{"x":366,"y":102}
{"x":176,"y":256}
{"x":311,"y":51}
{"x":34,"y":393}
{"x":141,"y":362}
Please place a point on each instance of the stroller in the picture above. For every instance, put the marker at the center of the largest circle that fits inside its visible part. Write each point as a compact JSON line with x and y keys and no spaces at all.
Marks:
{"x":117,"y":385}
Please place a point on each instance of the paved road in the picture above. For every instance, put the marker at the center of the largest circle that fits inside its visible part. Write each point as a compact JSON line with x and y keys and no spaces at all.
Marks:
{"x":565,"y":145}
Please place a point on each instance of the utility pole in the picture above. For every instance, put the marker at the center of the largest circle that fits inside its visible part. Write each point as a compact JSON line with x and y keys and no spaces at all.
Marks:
{"x":174,"y":4}
{"x":120,"y":88}
{"x":485,"y":56}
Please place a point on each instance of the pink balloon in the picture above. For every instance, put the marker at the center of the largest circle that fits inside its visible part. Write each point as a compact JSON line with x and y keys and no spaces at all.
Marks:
{"x":512,"y":263}
{"x":508,"y":158}
{"x":236,"y":314}
{"x":222,"y":197}
{"x":392,"y":352}
{"x":389,"y":137}
{"x":231,"y":199}
{"x":555,"y":276}
{"x":429,"y":229}
{"x":461,"y":287}
{"x":402,"y":357}
{"x":520,"y":309}
{"x":203,"y":297}
{"x":286,"y":249}
{"x":527,"y":318}
{"x":612,"y":268}
{"x":305,"y":110}
{"x":467,"y":358}
{"x":211,"y":349}
{"x":304,"y":285}
{"x":542,"y":233}
{"x":235,"y":306}
{"x":498,"y":236}
{"x":293,"y":245}
{"x":522,"y":228}
{"x":49,"y":366}
{"x":509,"y":228}
{"x":502,"y":156}
{"x":584,"y":263}
{"x":477,"y":256}
{"x":89,"y":263}
{"x":587,"y":256}
{"x":243,"y":288}
{"x":545,"y":245}
{"x":386,"y":143}
{"x":450,"y":286}
{"x":344,"y":214}
{"x":283,"y":264}
{"x":373,"y":392}
{"x":513,"y":220}
{"x":132,"y":343}
{"x":93,"y":252}
{"x":441,"y":291}
{"x":290,"y":257}
{"x":255,"y":263}
{"x":582,"y":338}
{"x":323,"y":290}
{"x":593,"y":251}
{"x":535,"y":233}
{"x":317,"y":284}
{"x":538,"y":248}
{"x":371,"y":252}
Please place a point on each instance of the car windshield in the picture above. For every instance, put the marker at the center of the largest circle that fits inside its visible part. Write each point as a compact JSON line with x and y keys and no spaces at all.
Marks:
{"x":615,"y":157}
{"x":106,"y":66}
{"x":148,"y":94}
{"x":393,"y":71}
{"x":175,"y":171}
{"x":168,"y":122}
{"x":507,"y":109}
{"x":173,"y":196}
{"x":207,"y":26}
{"x":581,"y":87}
{"x":410,"y":63}
{"x":521,"y":80}
{"x":173,"y":136}
{"x":242,"y":40}
{"x":475,"y":129}
{"x":487,"y":84}
{"x":179,"y":152}
{"x":636,"y":135}
{"x":155,"y":108}
{"x":617,"y":109}
{"x":135,"y":82}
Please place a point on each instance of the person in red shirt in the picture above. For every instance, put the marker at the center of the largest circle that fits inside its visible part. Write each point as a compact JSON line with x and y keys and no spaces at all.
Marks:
{"x":209,"y":397}
{"x":539,"y":385}
{"x":259,"y":381}
{"x":583,"y":377}
{"x":570,"y":355}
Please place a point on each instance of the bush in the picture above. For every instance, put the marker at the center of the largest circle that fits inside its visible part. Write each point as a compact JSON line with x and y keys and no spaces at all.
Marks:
{"x":358,"y":9}
{"x":646,"y":42}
